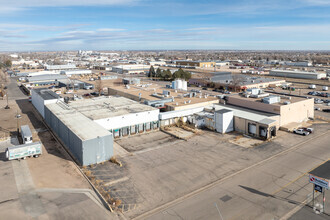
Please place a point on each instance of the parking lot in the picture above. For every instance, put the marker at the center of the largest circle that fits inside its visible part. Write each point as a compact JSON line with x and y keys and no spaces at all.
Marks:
{"x":157,"y":172}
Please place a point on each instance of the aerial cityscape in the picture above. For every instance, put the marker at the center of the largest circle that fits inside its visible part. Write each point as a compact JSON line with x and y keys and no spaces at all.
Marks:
{"x":165,"y":109}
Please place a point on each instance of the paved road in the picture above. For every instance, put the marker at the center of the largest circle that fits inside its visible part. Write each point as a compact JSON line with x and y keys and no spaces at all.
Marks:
{"x":268,"y":190}
{"x":14,"y":92}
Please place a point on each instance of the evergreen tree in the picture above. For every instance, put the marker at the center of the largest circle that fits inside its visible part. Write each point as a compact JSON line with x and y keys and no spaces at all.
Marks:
{"x":158,"y":73}
{"x":152,"y":72}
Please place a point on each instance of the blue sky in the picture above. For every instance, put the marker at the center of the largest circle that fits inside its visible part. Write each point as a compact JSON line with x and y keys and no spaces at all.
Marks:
{"x":38,"y":25}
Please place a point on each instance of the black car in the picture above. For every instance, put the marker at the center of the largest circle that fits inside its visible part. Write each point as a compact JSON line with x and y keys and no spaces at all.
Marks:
{"x":326,"y":110}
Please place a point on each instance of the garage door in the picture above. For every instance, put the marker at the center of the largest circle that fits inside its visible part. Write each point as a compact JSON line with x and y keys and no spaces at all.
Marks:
{"x":252,"y":129}
{"x":133,"y":130}
{"x":140,"y":128}
{"x":148,"y":126}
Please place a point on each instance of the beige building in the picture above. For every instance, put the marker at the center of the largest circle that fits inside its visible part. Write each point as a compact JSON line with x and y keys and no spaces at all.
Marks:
{"x":201,"y":64}
{"x":290,"y":109}
{"x":253,"y":123}
{"x":165,"y":99}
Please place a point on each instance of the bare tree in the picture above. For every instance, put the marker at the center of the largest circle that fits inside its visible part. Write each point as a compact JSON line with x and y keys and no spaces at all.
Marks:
{"x":237,"y":81}
{"x":99,"y":86}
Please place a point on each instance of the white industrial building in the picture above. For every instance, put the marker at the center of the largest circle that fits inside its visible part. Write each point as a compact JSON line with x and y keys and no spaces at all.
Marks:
{"x":131,"y":69}
{"x":42,"y":97}
{"x":297,"y":74}
{"x":40,"y":73}
{"x":76,"y":72}
{"x":60,"y":67}
{"x":119,"y":115}
{"x":301,"y":63}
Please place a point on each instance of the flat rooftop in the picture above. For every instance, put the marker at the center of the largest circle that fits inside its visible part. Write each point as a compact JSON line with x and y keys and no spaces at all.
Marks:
{"x":322,"y":171}
{"x":147,"y":94}
{"x":78,"y":123}
{"x":108,"y":106}
{"x":46,"y":93}
{"x":246,"y":80}
{"x":246,"y":113}
{"x":292,"y":100}
{"x":294,"y":71}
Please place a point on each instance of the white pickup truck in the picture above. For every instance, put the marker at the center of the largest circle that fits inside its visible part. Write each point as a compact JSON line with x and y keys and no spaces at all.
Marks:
{"x":301,"y":131}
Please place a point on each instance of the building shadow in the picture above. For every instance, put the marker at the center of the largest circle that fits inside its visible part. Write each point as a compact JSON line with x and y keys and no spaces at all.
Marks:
{"x":254,"y":191}
{"x":49,"y":142}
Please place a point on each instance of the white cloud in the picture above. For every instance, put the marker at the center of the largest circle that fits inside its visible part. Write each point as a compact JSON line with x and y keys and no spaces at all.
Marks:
{"x":230,"y":37}
{"x":110,"y":29}
{"x":63,"y":3}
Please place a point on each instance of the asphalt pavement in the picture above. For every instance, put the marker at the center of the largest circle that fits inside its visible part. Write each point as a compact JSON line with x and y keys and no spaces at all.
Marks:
{"x":267,"y":190}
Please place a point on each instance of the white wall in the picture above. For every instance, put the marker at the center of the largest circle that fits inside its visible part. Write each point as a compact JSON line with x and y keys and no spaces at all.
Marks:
{"x":38,"y":102}
{"x":224,"y":122}
{"x":129,"y":119}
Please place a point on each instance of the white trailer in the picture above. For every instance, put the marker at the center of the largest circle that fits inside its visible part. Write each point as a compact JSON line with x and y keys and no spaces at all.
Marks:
{"x":24,"y":150}
{"x":26,"y":134}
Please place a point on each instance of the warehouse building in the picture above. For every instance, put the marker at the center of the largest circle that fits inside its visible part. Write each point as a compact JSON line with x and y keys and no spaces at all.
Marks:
{"x":201,"y":64}
{"x":87,"y":141}
{"x":166,"y":99}
{"x":224,"y":119}
{"x":41,"y":80}
{"x":131,"y":69}
{"x":42,"y":97}
{"x":297,"y":74}
{"x":241,"y":82}
{"x":290,"y":109}
{"x":76,"y":72}
{"x":119,"y":115}
{"x":60,"y":67}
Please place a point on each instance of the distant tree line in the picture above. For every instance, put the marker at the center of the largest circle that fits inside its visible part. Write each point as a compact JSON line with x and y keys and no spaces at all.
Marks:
{"x":167,"y":75}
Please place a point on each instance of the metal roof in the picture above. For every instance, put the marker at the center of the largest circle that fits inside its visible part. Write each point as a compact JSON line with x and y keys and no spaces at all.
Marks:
{"x":46,"y":77}
{"x":247,"y":114}
{"x":46,"y":94}
{"x":223,"y":111}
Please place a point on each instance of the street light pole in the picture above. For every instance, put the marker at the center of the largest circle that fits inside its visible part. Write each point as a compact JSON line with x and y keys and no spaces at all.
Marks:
{"x":18,"y":116}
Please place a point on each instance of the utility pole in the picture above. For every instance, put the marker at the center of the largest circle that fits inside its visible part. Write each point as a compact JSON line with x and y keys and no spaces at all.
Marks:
{"x":18,"y":116}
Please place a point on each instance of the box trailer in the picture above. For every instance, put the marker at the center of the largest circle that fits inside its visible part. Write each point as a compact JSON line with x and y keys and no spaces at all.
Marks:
{"x":26,"y":134}
{"x":24,"y":150}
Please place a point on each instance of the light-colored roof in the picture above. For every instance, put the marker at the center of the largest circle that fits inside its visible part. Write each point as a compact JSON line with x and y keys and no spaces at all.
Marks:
{"x":247,"y":114}
{"x":108,"y":106}
{"x":78,"y":123}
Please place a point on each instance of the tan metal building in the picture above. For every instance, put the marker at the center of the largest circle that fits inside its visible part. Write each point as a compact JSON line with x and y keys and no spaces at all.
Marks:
{"x":202,"y":64}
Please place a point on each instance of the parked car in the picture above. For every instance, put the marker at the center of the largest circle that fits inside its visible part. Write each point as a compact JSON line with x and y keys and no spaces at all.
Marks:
{"x":94,"y":93}
{"x":318,"y":101}
{"x":310,"y":130}
{"x":326,"y":110}
{"x":87,"y":94}
{"x":301,"y":132}
{"x":317,"y":108}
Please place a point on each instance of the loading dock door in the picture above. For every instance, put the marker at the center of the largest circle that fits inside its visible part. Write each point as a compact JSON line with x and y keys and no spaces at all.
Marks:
{"x":133,"y":130}
{"x":252,"y":129}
